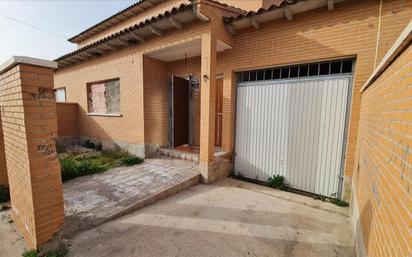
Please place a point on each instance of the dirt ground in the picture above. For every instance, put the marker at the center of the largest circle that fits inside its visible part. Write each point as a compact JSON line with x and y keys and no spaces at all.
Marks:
{"x":11,"y":244}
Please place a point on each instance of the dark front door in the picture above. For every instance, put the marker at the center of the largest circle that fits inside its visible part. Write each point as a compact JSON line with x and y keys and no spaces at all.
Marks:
{"x":180,"y":111}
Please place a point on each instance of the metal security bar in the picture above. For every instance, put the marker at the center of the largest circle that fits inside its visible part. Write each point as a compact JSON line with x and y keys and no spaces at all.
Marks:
{"x":298,"y":71}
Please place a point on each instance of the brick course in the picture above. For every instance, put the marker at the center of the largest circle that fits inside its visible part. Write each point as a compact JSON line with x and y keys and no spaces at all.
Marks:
{"x":382,"y":174}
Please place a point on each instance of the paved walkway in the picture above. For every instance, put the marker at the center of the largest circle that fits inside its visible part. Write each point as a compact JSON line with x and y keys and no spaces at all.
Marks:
{"x":92,"y":200}
{"x":228,"y":218}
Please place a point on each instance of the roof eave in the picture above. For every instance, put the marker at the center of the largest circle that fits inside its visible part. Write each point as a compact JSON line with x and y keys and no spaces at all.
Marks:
{"x":118,"y":17}
{"x":287,"y":9}
{"x":176,"y":18}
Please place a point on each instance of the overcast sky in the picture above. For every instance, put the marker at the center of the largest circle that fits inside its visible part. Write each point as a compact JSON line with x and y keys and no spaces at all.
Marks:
{"x":62,"y":19}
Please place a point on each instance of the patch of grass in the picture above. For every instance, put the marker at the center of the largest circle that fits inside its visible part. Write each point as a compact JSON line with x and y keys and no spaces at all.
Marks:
{"x":334,"y":201}
{"x":4,"y":194}
{"x":56,"y":253}
{"x":31,"y":253}
{"x":130,"y":160}
{"x":75,"y":165}
{"x":277,"y":181}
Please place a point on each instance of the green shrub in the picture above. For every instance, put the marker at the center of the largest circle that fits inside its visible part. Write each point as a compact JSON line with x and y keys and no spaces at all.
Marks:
{"x":130,"y":160}
{"x":4,"y":194}
{"x":72,"y":168}
{"x":277,"y":181}
{"x":74,"y":164}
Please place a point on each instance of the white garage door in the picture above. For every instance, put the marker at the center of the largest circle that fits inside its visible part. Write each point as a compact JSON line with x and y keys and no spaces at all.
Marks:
{"x":294,"y":127}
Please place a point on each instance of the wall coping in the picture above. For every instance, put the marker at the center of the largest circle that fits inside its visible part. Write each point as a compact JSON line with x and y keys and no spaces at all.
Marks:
{"x":400,"y":44}
{"x":15,"y":60}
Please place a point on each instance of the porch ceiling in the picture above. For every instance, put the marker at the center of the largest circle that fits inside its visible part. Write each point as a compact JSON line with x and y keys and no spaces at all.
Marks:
{"x":179,"y":51}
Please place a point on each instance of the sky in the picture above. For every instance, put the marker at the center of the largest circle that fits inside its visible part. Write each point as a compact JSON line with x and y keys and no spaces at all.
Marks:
{"x":61,"y":20}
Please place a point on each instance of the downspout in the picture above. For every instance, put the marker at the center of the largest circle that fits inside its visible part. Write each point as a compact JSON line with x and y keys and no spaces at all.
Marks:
{"x":378,"y":34}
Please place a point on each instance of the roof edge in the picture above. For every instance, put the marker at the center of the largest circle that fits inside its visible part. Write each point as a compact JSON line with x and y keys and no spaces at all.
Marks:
{"x":397,"y":48}
{"x":261,"y":10}
{"x":74,"y":39}
{"x":15,"y":60}
{"x":131,"y":29}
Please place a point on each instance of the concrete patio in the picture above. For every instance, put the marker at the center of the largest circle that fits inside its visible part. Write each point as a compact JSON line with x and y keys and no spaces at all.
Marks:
{"x":93,"y":200}
{"x":229,"y":218}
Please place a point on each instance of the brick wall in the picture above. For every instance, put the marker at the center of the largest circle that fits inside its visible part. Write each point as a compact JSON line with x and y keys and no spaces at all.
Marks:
{"x":3,"y":167}
{"x":155,"y":101}
{"x":382,"y":174}
{"x":29,"y":124}
{"x":125,"y":65}
{"x":67,"y":119}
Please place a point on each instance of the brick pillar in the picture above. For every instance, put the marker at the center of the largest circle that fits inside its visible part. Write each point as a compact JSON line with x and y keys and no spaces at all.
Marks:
{"x":28,"y":112}
{"x":207,"y":103}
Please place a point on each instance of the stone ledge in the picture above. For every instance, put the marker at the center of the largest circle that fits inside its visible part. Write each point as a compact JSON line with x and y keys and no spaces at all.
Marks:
{"x":15,"y":60}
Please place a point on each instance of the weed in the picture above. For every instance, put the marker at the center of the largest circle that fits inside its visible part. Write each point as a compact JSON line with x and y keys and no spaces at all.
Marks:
{"x":72,"y":168}
{"x":339,"y":202}
{"x":31,"y":253}
{"x":4,"y":194}
{"x":277,"y":181}
{"x":130,"y":160}
{"x":334,"y":201}
{"x":75,"y":164}
{"x":56,"y":253}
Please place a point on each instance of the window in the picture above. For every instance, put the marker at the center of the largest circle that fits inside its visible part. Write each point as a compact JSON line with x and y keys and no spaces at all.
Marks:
{"x":338,"y":67}
{"x":104,"y":97}
{"x":60,"y":94}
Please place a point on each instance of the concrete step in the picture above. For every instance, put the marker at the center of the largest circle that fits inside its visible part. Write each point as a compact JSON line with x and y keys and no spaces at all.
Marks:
{"x":173,"y":153}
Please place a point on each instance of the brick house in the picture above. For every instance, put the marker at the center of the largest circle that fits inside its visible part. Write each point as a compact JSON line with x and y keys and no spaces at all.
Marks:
{"x":273,"y":85}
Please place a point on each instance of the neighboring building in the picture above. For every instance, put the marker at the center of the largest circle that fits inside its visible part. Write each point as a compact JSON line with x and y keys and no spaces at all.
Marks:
{"x":274,"y":84}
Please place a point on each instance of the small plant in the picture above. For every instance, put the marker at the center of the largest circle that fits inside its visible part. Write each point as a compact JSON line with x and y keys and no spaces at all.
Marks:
{"x":339,"y":202}
{"x":56,"y":253}
{"x":277,"y":181}
{"x":77,"y":164}
{"x":130,"y":160}
{"x":334,"y":201}
{"x":72,"y":168}
{"x":4,"y":194}
{"x":31,"y":253}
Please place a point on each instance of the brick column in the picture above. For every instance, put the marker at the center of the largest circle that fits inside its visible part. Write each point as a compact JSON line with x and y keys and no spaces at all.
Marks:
{"x":29,"y":122}
{"x":207,"y":102}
